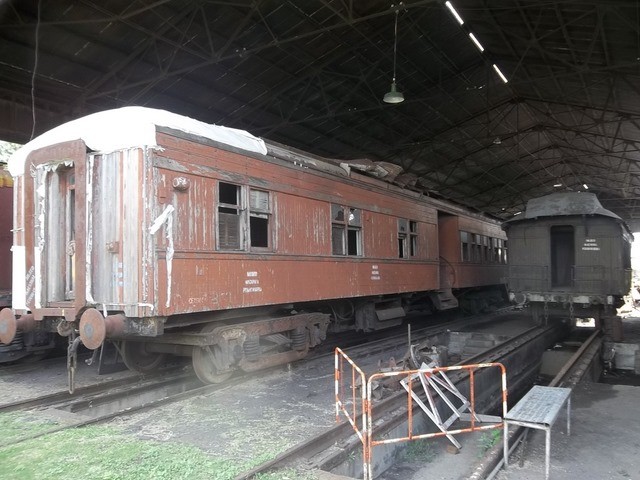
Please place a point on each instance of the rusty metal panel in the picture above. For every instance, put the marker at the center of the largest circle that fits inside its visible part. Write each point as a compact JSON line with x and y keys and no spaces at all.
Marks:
{"x":473,"y":225}
{"x":193,"y":228}
{"x":306,"y":219}
{"x":6,"y":222}
{"x":380,"y":235}
{"x":225,"y":281}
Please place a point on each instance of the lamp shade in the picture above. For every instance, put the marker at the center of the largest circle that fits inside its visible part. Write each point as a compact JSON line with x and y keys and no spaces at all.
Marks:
{"x":393,"y":95}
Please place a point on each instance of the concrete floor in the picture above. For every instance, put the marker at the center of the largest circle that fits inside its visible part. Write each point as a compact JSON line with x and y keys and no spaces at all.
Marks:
{"x":604,"y":443}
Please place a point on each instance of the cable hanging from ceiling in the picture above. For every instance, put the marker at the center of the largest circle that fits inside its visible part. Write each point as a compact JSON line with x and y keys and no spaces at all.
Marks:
{"x":393,"y":95}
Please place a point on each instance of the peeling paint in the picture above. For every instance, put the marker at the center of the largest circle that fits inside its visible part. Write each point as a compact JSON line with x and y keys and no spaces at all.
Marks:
{"x":40,"y":175}
{"x":166,"y":217}
{"x":89,"y":231}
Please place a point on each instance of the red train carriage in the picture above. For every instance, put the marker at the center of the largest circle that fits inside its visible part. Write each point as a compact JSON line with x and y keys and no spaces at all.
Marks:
{"x":32,"y":344}
{"x":6,"y":212}
{"x":173,"y":236}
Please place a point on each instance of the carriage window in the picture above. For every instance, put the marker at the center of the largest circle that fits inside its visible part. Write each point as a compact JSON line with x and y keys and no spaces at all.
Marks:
{"x":475,"y":240}
{"x":407,"y":238}
{"x":464,"y":244}
{"x":413,"y":238}
{"x":402,"y":238}
{"x":229,"y":217}
{"x":259,"y":213}
{"x":346,"y":230}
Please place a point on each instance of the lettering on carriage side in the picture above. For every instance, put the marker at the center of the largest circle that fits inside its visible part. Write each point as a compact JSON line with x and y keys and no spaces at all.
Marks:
{"x":590,"y":244}
{"x":252,"y":279}
{"x":375,"y":272}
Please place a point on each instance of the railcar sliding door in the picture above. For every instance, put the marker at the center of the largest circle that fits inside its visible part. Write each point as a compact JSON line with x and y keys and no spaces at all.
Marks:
{"x":562,"y":255}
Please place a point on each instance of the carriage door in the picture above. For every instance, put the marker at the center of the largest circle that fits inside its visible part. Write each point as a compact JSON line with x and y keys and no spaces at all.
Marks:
{"x":60,"y":214}
{"x":562,"y":255}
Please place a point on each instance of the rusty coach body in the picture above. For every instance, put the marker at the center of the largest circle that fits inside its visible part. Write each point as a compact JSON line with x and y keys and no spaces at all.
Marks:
{"x":34,"y":343}
{"x":169,"y":235}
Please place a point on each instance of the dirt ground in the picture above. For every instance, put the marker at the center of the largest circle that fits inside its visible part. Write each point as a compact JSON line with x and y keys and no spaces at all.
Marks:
{"x":270,"y":414}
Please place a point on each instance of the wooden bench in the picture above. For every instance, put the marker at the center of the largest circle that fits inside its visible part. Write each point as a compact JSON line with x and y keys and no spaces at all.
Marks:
{"x":539,"y":409}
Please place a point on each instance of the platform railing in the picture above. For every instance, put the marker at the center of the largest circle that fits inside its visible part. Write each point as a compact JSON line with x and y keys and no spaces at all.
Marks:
{"x":354,"y":407}
{"x":436,"y":386}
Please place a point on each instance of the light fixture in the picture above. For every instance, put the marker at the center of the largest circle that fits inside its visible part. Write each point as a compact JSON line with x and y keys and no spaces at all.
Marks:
{"x":586,"y":187}
{"x":393,"y":95}
{"x":476,"y":41}
{"x":557,"y":185}
{"x":500,"y":74}
{"x":454,"y":12}
{"x":497,"y":141}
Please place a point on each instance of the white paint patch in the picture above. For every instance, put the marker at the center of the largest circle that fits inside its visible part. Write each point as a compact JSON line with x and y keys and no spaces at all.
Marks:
{"x":166,"y":217}
{"x":19,"y":277}
{"x":131,"y":127}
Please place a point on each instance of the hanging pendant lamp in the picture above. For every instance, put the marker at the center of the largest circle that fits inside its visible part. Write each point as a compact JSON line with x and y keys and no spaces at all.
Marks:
{"x":393,"y":95}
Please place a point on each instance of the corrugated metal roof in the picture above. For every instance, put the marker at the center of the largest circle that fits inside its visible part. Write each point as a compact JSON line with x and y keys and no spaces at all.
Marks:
{"x":312,"y":75}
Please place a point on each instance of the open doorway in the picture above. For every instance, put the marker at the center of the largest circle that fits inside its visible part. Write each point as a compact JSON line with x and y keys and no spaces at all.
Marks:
{"x":562,"y":255}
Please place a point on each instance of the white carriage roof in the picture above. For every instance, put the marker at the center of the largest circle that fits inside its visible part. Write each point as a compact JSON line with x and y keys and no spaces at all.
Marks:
{"x":129,"y":127}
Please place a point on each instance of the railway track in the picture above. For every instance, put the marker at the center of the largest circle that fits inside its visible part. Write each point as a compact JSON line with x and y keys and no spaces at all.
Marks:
{"x":568,"y":376}
{"x":337,"y":444}
{"x":136,"y":393}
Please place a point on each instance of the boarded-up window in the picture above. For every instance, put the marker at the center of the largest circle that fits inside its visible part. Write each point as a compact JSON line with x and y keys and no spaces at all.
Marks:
{"x":259,"y":214}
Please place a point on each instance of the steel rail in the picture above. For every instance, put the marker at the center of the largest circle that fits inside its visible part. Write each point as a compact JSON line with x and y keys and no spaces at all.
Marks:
{"x":494,"y":461}
{"x":343,"y":432}
{"x":62,"y":396}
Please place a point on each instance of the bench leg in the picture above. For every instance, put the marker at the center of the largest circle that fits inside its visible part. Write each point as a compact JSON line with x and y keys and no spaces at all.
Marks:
{"x":547,"y":452}
{"x":505,"y":443}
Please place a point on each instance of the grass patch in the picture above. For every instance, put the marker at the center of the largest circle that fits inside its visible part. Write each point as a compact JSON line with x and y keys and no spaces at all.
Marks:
{"x":105,"y":453}
{"x":418,"y":451}
{"x":487,"y":441}
{"x":16,"y":425}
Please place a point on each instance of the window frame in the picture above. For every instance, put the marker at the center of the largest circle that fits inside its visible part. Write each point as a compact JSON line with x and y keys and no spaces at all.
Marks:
{"x":348,"y":221}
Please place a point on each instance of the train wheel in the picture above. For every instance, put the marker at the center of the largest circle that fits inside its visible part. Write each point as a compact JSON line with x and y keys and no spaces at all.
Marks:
{"x":136,"y":358}
{"x":208,"y":363}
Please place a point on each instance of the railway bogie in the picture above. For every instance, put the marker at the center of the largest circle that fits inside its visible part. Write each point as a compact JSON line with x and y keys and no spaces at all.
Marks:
{"x":569,"y":257}
{"x":176,"y":237}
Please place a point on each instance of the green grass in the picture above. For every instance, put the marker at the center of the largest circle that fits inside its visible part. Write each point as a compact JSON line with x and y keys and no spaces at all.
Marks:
{"x":419,"y":451}
{"x":107,"y":453}
{"x":488,"y":440}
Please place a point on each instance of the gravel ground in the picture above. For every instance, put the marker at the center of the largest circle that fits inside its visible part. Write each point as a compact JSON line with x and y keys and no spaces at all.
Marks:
{"x":259,"y":418}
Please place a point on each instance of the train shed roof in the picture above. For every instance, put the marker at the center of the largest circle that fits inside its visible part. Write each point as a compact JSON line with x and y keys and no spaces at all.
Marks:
{"x":312,"y":74}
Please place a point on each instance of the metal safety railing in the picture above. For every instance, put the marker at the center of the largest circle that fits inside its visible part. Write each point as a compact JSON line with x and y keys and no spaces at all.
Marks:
{"x":352,"y":408}
{"x":438,"y":393}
